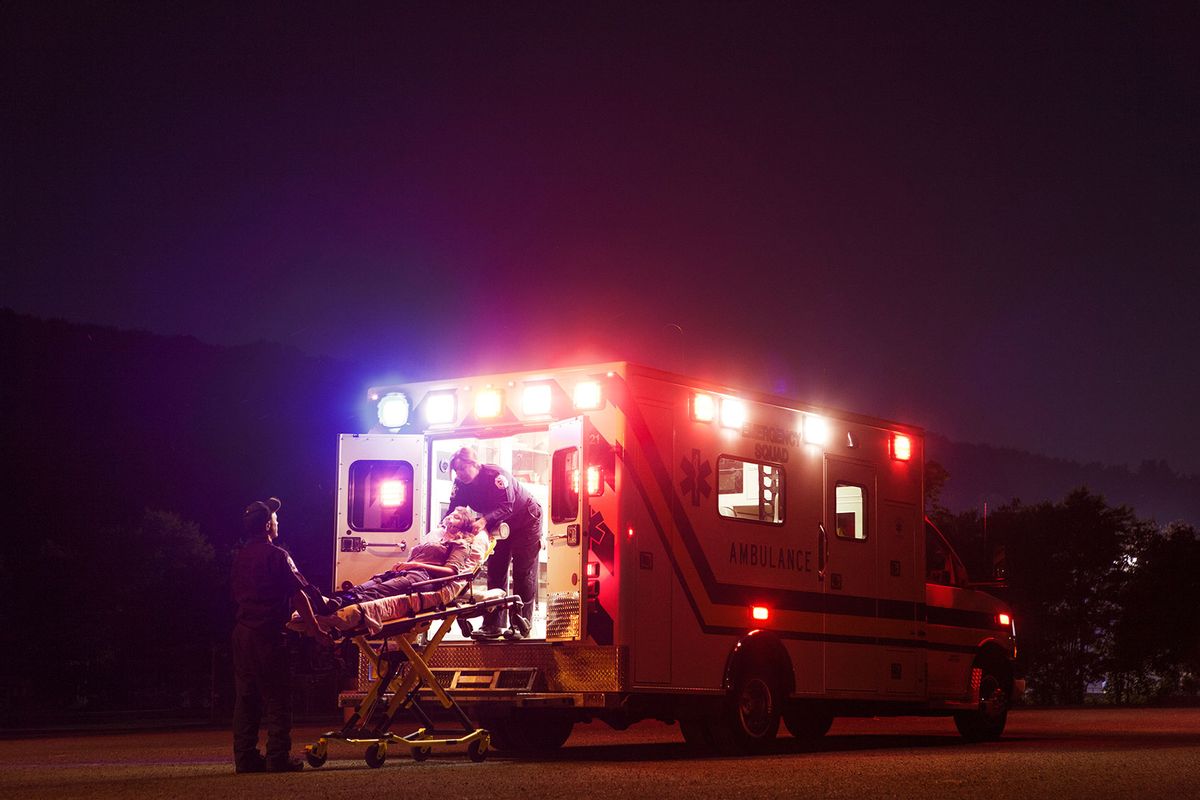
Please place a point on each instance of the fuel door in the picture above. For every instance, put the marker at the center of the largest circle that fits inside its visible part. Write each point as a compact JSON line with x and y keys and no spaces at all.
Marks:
{"x":381,"y":503}
{"x":566,"y":553}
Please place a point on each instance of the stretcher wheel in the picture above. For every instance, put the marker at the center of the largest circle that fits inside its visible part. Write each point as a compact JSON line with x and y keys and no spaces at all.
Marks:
{"x":315,"y":760}
{"x":421,"y":753}
{"x":477,"y":750}
{"x":376,"y":755}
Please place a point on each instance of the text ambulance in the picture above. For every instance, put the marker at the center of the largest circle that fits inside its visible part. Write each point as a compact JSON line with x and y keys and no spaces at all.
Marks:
{"x":718,"y":558}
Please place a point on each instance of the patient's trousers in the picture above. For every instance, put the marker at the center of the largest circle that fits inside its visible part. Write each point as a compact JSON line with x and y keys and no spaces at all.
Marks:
{"x":261,"y":682}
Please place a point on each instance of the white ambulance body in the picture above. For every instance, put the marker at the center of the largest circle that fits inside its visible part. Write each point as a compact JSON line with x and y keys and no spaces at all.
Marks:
{"x":719,"y":558}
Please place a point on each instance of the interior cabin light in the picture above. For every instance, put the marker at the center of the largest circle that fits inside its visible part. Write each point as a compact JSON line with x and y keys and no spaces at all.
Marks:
{"x":704,"y":407}
{"x":816,"y":430}
{"x":901,"y":447}
{"x":489,"y":403}
{"x":536,"y":400}
{"x":391,"y":493}
{"x":760,"y":613}
{"x":588,"y":396}
{"x":733,"y":413}
{"x":393,"y":410}
{"x":595,"y":486}
{"x":441,"y":408}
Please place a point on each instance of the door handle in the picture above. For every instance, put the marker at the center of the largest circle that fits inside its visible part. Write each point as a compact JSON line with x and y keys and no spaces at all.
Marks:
{"x":822,"y":551}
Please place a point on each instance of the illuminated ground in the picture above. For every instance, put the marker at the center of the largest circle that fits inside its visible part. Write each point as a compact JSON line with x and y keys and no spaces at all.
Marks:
{"x":1045,"y":754}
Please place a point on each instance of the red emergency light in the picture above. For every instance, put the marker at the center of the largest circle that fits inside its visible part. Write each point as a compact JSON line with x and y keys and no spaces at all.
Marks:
{"x":760,"y":613}
{"x":901,"y":447}
{"x":593,"y":569}
{"x":595,"y":484}
{"x":1004,"y":619}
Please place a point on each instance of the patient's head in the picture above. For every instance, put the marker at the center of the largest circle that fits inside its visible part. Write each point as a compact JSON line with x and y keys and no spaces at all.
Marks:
{"x":460,"y":523}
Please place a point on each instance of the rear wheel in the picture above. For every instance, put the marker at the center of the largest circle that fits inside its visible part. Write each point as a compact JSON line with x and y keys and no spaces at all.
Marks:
{"x":987,"y":722}
{"x":749,"y":718}
{"x":530,"y":734}
{"x":376,"y":755}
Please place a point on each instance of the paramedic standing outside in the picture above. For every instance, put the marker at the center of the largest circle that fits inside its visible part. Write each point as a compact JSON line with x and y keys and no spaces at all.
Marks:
{"x":266,"y":587}
{"x":494,"y":493}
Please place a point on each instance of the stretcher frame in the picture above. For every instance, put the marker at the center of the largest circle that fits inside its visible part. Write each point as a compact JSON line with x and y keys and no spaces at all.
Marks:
{"x":405,"y":686}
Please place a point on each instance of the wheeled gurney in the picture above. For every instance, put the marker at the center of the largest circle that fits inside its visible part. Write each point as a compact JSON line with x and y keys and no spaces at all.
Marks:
{"x":400,"y":666}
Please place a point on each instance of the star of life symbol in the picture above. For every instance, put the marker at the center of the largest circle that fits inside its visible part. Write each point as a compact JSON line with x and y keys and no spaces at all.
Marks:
{"x":696,"y":475}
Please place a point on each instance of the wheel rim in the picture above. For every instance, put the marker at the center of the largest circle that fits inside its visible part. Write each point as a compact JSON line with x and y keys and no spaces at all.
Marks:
{"x":992,"y":701}
{"x":755,"y":706}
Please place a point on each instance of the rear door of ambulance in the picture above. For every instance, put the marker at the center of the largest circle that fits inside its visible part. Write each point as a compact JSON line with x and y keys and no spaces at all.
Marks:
{"x":566,"y":579}
{"x":381,"y":508}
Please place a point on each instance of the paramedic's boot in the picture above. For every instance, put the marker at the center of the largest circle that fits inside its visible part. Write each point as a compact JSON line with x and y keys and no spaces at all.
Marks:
{"x":519,"y":630}
{"x":488,"y":633}
{"x":251,"y":763}
{"x":289,"y":764}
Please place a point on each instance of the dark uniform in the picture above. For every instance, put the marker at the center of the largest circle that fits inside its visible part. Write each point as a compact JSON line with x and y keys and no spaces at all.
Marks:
{"x":264,"y":580}
{"x":499,"y":498}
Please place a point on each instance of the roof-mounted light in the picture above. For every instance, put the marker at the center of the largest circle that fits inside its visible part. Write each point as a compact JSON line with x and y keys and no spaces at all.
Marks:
{"x":536,"y":400}
{"x":588,"y":396}
{"x":489,"y":403}
{"x":760,"y":613}
{"x":441,"y":408}
{"x":393,"y":410}
{"x":816,"y":430}
{"x":733,"y":413}
{"x":901,"y":447}
{"x":704,"y":407}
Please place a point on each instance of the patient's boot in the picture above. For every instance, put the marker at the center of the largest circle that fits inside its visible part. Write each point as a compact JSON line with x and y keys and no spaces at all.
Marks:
{"x":488,"y":633}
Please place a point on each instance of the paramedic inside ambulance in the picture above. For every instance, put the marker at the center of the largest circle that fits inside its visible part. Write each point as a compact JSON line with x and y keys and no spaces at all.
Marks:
{"x":494,"y":493}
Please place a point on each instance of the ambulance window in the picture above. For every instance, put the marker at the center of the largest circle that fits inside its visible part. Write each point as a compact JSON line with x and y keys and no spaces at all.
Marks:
{"x":851,"y":511}
{"x":381,"y":496}
{"x":564,"y":485}
{"x":749,"y":490}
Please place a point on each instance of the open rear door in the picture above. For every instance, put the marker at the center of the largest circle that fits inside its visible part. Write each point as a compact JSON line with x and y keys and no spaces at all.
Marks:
{"x":566,"y":582}
{"x":381,"y":503}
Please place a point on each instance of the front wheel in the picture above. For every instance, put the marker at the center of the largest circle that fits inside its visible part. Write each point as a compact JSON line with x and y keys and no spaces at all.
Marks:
{"x":375,"y":756}
{"x":986,"y":724}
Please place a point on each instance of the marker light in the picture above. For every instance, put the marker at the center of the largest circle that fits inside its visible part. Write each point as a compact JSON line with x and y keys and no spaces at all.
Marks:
{"x":733,"y":413}
{"x":588,"y":396}
{"x":816,"y":430}
{"x":901,"y":447}
{"x":441,"y":408}
{"x":391,"y":493}
{"x":760,"y":613}
{"x":593,"y":569}
{"x":1004,"y":619}
{"x":595,"y":486}
{"x":535,"y":400}
{"x":575,"y":482}
{"x":393,"y":410}
{"x":489,"y":403}
{"x":704,"y":407}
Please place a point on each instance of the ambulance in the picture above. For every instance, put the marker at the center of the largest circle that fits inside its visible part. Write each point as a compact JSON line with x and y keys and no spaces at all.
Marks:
{"x":721,"y":559}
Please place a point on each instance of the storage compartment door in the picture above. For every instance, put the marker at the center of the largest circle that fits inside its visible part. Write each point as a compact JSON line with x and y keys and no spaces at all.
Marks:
{"x":381,"y":503}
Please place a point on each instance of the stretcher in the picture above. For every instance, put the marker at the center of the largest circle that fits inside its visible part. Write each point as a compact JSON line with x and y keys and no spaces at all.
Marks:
{"x":400,"y":665}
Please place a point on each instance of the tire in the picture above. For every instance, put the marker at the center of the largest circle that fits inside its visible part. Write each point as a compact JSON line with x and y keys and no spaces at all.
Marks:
{"x":807,"y":723}
{"x":375,"y":756}
{"x":749,"y":718}
{"x":987,"y":723}
{"x":697,"y":733}
{"x":315,"y":761}
{"x":477,"y":750}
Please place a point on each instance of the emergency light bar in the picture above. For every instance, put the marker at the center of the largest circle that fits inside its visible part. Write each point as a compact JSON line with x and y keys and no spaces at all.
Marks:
{"x":393,"y":410}
{"x":441,"y":408}
{"x":489,"y":403}
{"x":901,"y":447}
{"x":536,"y":400}
{"x":704,"y":407}
{"x":733,"y":413}
{"x":816,"y":430}
{"x":588,"y":396}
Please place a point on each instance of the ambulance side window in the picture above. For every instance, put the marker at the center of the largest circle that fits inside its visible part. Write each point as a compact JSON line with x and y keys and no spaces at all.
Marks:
{"x":851,"y":511}
{"x":564,"y":485}
{"x":750,"y":490}
{"x":380,"y":496}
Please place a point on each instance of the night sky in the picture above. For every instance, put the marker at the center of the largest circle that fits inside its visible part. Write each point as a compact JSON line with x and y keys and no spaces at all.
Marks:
{"x":979,"y":218}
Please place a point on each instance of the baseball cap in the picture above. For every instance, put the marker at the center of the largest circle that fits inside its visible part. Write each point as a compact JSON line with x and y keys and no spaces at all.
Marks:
{"x":263,"y":508}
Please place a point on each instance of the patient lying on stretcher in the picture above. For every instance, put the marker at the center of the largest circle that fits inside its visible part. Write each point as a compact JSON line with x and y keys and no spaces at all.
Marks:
{"x":450,"y":549}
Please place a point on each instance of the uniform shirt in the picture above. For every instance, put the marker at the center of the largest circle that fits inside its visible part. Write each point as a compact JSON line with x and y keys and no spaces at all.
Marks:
{"x":498,"y":497}
{"x":264,"y":580}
